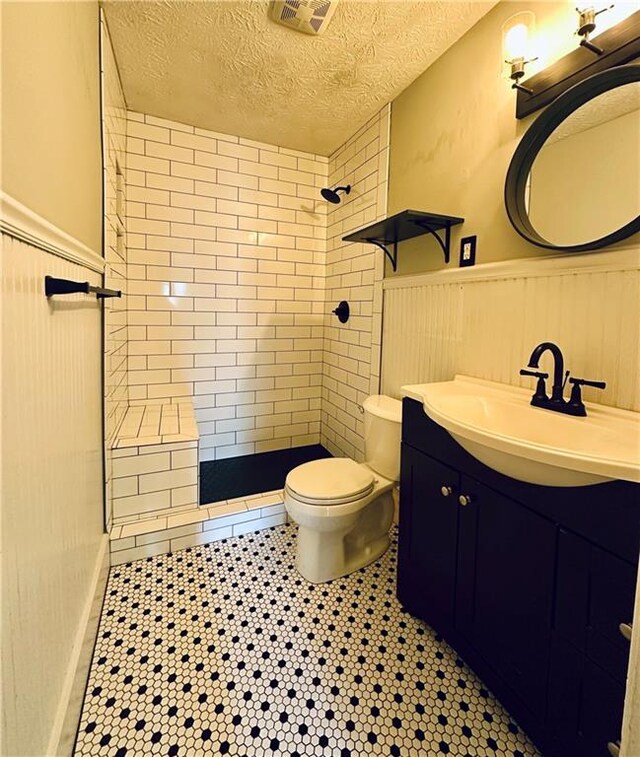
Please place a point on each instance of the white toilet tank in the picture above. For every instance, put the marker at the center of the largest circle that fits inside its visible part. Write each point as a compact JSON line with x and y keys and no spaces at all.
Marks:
{"x":382,"y":422}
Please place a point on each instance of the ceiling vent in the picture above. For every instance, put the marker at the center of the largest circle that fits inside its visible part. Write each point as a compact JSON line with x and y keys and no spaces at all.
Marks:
{"x":308,"y":16}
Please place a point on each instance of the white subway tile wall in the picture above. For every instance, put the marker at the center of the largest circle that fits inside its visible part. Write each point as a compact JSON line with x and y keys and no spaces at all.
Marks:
{"x":226,"y":259}
{"x":150,"y":484}
{"x":167,"y":533}
{"x":114,"y":127}
{"x":154,"y":480}
{"x":155,"y":462}
{"x":354,"y":272}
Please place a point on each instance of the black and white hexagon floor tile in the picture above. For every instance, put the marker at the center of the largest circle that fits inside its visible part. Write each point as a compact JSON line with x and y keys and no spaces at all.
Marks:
{"x":225,"y":649}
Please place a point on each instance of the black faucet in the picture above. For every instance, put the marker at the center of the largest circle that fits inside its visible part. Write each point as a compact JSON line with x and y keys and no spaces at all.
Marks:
{"x":558,"y":368}
{"x":557,"y":402}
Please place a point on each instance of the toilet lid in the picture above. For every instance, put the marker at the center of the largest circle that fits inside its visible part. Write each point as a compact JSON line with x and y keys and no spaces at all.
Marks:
{"x":334,"y":480}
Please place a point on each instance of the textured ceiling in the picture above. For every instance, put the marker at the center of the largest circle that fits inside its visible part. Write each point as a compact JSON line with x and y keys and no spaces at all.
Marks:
{"x":224,"y":65}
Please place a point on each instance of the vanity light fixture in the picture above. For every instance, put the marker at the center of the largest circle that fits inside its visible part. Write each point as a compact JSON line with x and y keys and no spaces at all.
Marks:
{"x":617,"y":44}
{"x":587,"y":25}
{"x":516,"y":44}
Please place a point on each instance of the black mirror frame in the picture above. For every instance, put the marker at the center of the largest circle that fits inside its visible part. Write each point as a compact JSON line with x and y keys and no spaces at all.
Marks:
{"x":532,"y":142}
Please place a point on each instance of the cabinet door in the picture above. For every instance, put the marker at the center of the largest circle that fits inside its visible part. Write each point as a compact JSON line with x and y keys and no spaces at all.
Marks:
{"x":613,"y":584}
{"x":585,"y":703}
{"x":601,"y":712}
{"x":428,"y":538}
{"x":505,"y":588}
{"x":595,"y":594}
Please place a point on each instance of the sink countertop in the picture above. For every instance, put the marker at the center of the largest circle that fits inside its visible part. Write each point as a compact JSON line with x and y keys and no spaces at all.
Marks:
{"x":497,"y":424}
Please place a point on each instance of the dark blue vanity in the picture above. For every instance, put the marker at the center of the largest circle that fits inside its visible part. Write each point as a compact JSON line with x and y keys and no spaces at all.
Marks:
{"x":534,"y":586}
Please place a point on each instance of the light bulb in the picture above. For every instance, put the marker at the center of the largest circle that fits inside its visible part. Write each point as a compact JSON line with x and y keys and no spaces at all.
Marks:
{"x":515,"y":42}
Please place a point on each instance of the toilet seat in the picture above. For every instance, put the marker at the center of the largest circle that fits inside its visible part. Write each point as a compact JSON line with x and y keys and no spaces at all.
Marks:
{"x":331,"y":481}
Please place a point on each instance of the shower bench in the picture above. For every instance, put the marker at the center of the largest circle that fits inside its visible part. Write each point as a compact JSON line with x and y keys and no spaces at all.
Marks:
{"x":154,"y":488}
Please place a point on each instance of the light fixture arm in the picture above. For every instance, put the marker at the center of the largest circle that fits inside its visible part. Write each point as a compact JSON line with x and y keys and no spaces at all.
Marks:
{"x":590,"y":46}
{"x":517,"y":72}
{"x":587,"y":25}
{"x":522,"y":88}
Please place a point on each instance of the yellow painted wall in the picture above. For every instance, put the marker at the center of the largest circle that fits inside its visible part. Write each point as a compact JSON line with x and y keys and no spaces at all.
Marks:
{"x":50,"y":150}
{"x":453,"y":132}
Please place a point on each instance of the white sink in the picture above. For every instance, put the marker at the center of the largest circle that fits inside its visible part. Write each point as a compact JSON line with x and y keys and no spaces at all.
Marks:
{"x":496,"y":424}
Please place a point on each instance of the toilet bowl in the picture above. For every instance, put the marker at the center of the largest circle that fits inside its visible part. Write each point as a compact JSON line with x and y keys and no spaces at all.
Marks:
{"x":344,"y":509}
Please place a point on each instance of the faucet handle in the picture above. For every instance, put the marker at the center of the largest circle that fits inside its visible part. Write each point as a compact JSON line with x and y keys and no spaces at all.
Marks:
{"x":575,"y":404}
{"x":588,"y":382}
{"x":540,"y":393}
{"x":536,"y":374}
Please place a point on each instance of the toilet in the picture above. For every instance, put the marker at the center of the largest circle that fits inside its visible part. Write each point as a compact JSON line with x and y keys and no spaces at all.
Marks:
{"x":344,"y":509}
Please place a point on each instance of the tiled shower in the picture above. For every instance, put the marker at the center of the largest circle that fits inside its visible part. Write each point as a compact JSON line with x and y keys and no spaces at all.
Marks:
{"x":230,"y":279}
{"x":230,"y":263}
{"x":225,"y":245}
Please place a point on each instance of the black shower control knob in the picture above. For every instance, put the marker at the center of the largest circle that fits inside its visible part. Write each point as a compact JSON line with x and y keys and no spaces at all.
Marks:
{"x":342,"y":311}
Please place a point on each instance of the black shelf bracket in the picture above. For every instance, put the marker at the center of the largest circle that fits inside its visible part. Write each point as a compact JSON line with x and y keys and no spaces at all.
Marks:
{"x":392,"y":256}
{"x":444,"y":243}
{"x":408,"y":224}
{"x":53,"y":286}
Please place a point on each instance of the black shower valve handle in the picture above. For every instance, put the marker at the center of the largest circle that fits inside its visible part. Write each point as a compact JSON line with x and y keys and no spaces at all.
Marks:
{"x":342,"y":311}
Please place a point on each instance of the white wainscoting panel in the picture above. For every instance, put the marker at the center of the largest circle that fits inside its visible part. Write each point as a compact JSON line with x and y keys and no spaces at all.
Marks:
{"x":484,"y":322}
{"x":51,"y":487}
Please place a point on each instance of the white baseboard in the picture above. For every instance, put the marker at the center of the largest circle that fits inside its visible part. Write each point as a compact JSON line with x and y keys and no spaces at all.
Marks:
{"x":63,"y":733}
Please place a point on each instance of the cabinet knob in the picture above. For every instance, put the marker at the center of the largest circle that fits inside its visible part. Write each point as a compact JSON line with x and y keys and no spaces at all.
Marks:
{"x":614,"y":748}
{"x":464,"y":499}
{"x":625,"y":630}
{"x":446,"y":490}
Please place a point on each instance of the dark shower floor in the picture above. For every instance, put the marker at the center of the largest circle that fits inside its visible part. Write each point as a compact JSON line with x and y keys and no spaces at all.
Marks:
{"x":252,"y":474}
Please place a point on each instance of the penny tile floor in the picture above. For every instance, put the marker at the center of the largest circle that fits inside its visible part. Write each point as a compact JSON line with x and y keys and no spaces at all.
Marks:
{"x":225,"y":649}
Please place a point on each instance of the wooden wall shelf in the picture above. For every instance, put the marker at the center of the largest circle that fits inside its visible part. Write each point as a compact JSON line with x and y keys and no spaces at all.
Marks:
{"x":406,"y":225}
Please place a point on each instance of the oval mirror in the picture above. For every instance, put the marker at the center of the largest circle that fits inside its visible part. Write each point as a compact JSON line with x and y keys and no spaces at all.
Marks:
{"x":574,"y":180}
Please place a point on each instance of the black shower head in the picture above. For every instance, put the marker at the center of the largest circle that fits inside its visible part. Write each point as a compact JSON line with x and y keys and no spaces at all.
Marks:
{"x":331,"y":195}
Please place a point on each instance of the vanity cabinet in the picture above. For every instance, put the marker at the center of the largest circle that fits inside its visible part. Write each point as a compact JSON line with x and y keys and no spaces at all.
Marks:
{"x":504,"y":586}
{"x":528,"y":583}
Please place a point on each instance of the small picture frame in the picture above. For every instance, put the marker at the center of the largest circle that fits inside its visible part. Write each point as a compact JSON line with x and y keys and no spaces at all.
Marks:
{"x":468,"y":251}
